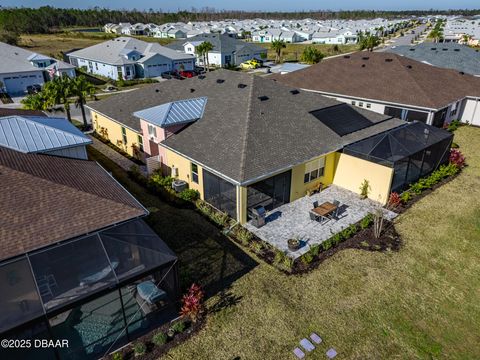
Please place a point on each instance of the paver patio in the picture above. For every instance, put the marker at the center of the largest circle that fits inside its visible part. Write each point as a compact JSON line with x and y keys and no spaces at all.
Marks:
{"x":293,"y":219}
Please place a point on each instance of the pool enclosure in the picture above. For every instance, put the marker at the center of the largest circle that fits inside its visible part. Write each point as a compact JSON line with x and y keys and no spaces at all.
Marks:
{"x":413,"y":150}
{"x":98,"y":291}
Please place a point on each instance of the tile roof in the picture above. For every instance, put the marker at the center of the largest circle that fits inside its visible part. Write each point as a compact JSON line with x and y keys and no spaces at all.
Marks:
{"x":385,"y":77}
{"x":174,"y":113}
{"x":30,"y":134}
{"x":239,"y":135}
{"x":447,"y":55}
{"x":46,"y":199}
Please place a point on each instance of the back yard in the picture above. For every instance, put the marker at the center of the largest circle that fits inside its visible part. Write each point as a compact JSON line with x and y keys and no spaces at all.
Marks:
{"x":293,"y":52}
{"x":420,"y":302}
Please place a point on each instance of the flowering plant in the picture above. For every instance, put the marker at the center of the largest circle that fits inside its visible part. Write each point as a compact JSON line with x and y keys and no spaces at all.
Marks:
{"x":192,"y":305}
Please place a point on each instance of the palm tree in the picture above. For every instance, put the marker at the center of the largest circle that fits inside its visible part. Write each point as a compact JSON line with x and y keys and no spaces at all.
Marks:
{"x":277,"y":46}
{"x":200,"y":51}
{"x":82,"y":89}
{"x":35,"y":102}
{"x":207,"y":47}
{"x":59,"y":91}
{"x":368,"y":41}
{"x":436,"y":34}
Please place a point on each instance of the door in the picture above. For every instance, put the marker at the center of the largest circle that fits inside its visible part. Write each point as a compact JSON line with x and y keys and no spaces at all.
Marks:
{"x":270,"y":193}
{"x":17,"y":85}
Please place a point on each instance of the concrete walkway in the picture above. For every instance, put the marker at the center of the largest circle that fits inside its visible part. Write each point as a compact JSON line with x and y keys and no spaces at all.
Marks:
{"x":115,"y":156}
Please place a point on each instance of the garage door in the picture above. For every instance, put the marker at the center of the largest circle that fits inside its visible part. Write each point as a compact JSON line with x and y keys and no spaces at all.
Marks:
{"x":156,"y":69}
{"x":16,"y":85}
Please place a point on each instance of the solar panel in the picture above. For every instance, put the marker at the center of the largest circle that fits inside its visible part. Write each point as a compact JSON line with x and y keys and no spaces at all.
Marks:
{"x":342,"y":119}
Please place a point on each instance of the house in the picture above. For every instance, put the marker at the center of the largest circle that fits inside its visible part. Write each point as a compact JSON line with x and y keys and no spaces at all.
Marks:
{"x":75,"y":258}
{"x":20,"y":68}
{"x":41,"y":134}
{"x":270,"y":35}
{"x":226,"y":50}
{"x":445,"y":55}
{"x":393,"y":85}
{"x":243,"y":140}
{"x":128,"y":58}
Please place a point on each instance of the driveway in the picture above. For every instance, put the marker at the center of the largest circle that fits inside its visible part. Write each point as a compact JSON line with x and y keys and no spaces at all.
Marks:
{"x":403,"y":40}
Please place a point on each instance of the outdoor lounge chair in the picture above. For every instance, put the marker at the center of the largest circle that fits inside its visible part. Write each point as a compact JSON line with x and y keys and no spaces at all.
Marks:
{"x":313,"y":216}
{"x":334,"y":214}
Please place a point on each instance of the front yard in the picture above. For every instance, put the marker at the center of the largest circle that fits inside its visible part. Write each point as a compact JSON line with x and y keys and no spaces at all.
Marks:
{"x":419,"y":302}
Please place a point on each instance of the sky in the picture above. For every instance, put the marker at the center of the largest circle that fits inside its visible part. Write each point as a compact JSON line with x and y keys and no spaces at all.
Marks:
{"x":265,"y":5}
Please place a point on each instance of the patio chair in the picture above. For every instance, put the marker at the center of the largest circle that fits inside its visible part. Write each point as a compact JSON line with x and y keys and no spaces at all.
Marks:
{"x":315,"y":204}
{"x":313,"y":216}
{"x":334,"y":214}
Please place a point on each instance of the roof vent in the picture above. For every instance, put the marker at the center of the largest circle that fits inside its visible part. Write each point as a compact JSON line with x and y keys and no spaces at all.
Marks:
{"x":242,"y":86}
{"x":346,"y":56}
{"x":294,"y":92}
{"x":461,"y":73}
{"x":409,"y":66}
{"x":365,"y":58}
{"x":412,"y":49}
{"x":157,"y":90}
{"x":433,"y":49}
{"x":445,"y":49}
{"x":363,"y":65}
{"x":263,"y":98}
{"x":201,"y":77}
{"x":456,"y":50}
{"x":220,"y":81}
{"x":388,"y":60}
{"x":192,"y":90}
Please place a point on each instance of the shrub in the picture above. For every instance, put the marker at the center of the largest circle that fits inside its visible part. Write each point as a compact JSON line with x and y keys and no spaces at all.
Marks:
{"x":366,"y":221}
{"x":307,"y":258}
{"x":244,"y":236}
{"x":139,"y":349}
{"x":220,"y":218}
{"x":279,"y":256}
{"x":394,"y":200}
{"x":327,"y":244}
{"x":204,"y":207}
{"x":189,"y":195}
{"x":165,"y":181}
{"x":287,"y":263}
{"x":256,"y":247}
{"x":315,"y":250}
{"x":457,"y":158}
{"x":337,"y":238}
{"x":192,"y":305}
{"x":117,"y":356}
{"x":364,"y":189}
{"x":179,"y":327}
{"x":454,"y":145}
{"x":159,"y":339}
{"x":406,"y":196}
{"x":454,"y":125}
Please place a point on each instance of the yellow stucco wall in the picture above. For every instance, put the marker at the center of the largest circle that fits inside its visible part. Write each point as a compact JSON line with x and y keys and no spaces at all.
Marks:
{"x":115,"y":131}
{"x":184,"y":170}
{"x":299,"y":189}
{"x":351,"y":171}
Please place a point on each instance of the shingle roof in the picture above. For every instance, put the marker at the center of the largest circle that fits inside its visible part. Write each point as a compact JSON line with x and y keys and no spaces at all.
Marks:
{"x":239,"y":135}
{"x":39,"y":134}
{"x":21,"y":112}
{"x":448,"y":55}
{"x":46,"y":199}
{"x":385,"y":77}
{"x":174,"y":113}
{"x":15,"y":59}
{"x":112,"y":51}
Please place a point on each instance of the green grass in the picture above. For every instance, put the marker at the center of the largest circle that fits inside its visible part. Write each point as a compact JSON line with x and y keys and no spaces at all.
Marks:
{"x":293,"y":52}
{"x":421,"y":302}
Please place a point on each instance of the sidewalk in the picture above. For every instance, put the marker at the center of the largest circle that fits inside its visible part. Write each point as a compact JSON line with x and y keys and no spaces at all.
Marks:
{"x":116,"y":157}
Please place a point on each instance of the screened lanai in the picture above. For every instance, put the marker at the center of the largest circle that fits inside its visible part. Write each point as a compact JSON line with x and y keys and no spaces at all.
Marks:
{"x":95,"y":291}
{"x":413,"y":150}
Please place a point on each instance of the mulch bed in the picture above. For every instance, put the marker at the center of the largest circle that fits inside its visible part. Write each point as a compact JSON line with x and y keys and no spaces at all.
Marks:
{"x":154,"y":352}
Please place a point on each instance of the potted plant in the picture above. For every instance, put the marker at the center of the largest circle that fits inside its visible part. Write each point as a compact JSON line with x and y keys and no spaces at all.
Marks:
{"x":293,"y":244}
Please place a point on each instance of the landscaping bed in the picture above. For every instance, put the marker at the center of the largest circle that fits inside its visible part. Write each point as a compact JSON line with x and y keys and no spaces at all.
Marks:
{"x":117,"y":149}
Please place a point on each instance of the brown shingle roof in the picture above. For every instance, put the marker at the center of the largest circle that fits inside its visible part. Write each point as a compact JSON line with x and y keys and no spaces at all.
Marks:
{"x":47,"y":199}
{"x":385,"y":77}
{"x":21,"y":112}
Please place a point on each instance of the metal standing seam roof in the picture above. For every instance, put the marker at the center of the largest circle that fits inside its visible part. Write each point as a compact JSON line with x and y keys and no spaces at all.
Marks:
{"x":173,"y":113}
{"x":30,"y":134}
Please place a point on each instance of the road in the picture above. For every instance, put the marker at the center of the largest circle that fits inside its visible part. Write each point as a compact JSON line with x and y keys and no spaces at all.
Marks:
{"x":403,"y":40}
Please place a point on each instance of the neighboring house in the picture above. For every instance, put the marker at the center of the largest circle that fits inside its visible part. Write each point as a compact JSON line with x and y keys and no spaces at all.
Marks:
{"x":448,"y":55}
{"x":270,"y":35}
{"x":20,"y":68}
{"x":226,"y":50}
{"x":128,"y":58}
{"x":76,"y":259}
{"x":243,"y":140}
{"x":41,"y":134}
{"x":393,"y":85}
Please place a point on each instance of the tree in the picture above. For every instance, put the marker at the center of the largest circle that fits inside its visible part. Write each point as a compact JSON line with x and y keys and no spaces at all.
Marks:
{"x":59,"y":91}
{"x":9,"y":37}
{"x":368,"y":41}
{"x":34,"y":102}
{"x":312,"y":55}
{"x":436,"y":34}
{"x":200,"y":51}
{"x":207,"y":47}
{"x":82,"y":89}
{"x":277,"y":46}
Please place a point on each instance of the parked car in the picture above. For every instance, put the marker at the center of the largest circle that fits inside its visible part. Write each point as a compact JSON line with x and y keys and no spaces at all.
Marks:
{"x":250,"y":64}
{"x":171,"y":75}
{"x":187,"y":73}
{"x":34,"y":89}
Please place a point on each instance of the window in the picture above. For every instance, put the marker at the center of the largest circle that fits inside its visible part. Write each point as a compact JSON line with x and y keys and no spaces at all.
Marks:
{"x":119,"y":72}
{"x":195,"y":173}
{"x":354,"y":103}
{"x":124,"y":136}
{"x":360,"y":104}
{"x":96,"y":66}
{"x":454,"y":108}
{"x":140,"y":142}
{"x":314,"y":169}
{"x":152,"y":131}
{"x":369,"y":106}
{"x":128,"y":71}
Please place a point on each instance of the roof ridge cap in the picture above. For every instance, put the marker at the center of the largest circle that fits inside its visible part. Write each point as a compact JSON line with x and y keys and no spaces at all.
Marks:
{"x":243,"y":155}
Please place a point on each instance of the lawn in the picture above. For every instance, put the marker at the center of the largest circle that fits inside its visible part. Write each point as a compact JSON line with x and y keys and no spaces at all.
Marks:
{"x":420,"y":302}
{"x":57,"y":43}
{"x":293,"y":52}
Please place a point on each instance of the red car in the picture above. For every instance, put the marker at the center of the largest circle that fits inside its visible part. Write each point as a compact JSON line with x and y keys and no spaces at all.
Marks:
{"x":187,"y":73}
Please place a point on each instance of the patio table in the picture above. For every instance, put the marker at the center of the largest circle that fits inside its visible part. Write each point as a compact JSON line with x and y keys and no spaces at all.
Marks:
{"x":324,"y":209}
